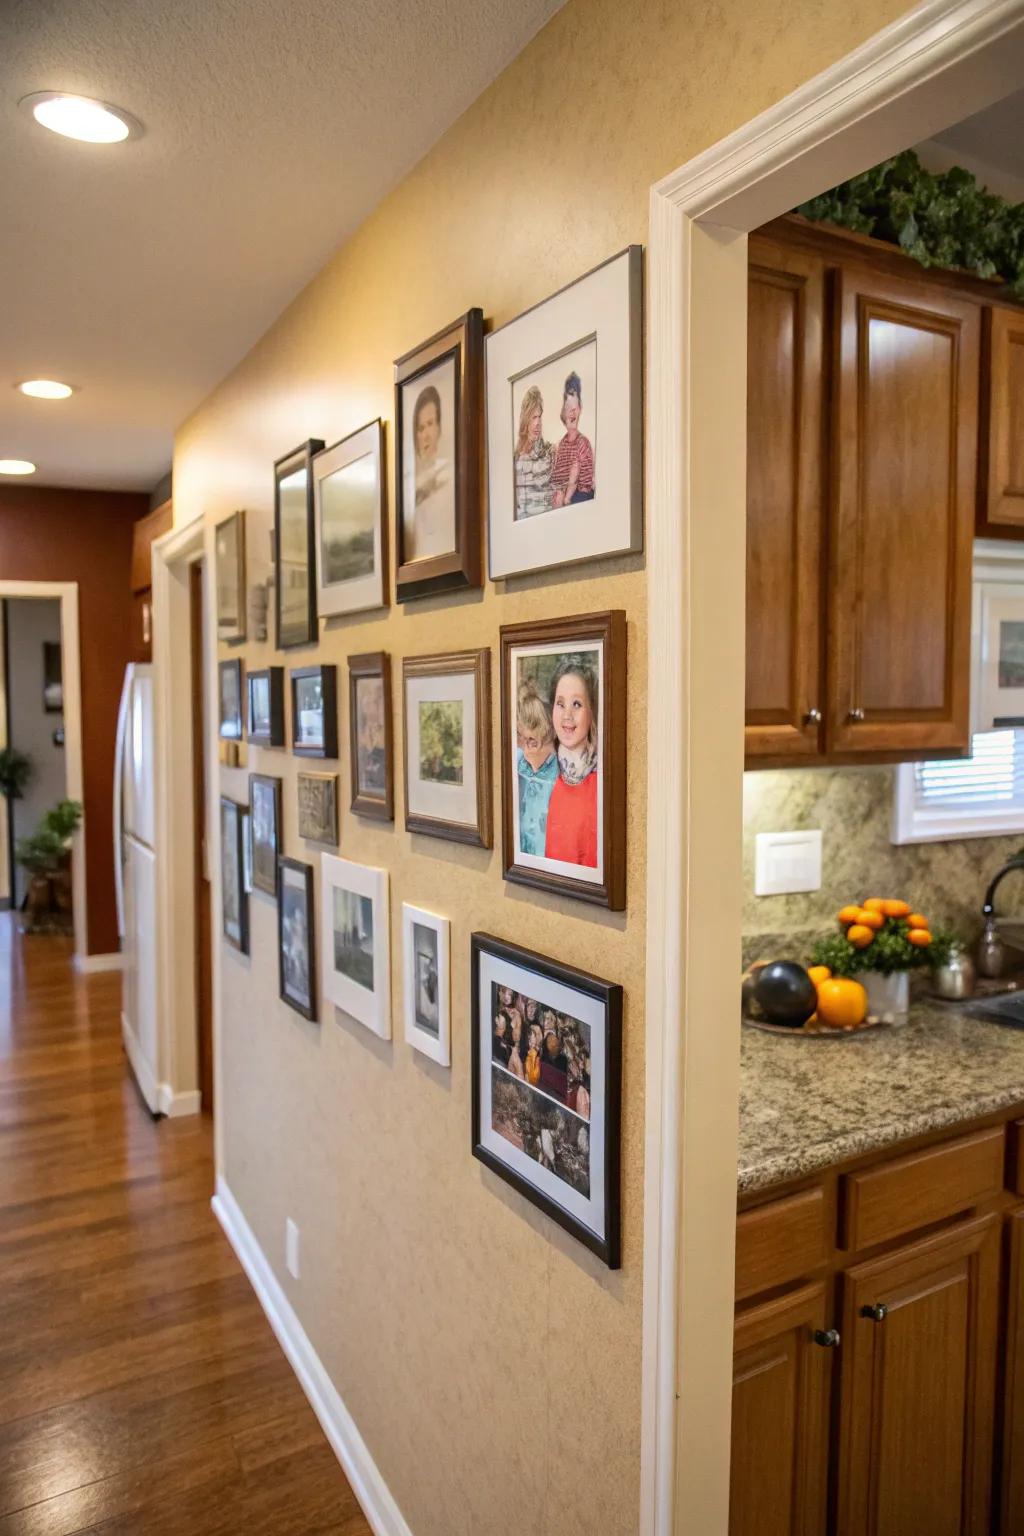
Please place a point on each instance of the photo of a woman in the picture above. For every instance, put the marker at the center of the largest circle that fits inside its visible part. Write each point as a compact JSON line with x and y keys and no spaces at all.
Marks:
{"x":428,"y":455}
{"x":534,"y":458}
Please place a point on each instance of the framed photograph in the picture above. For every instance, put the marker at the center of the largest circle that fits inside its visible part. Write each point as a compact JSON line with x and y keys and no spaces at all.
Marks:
{"x":565,"y":424}
{"x":357,"y":946}
{"x":53,"y":684}
{"x":230,"y":675}
{"x":315,"y":711}
{"x":265,"y":820}
{"x":547,"y":1082}
{"x":294,"y":566}
{"x":318,"y":807}
{"x":563,"y":756}
{"x":234,"y":901}
{"x":439,"y":430}
{"x":447,"y":743}
{"x":296,"y":937}
{"x":266,"y":707}
{"x":351,"y":523}
{"x":229,"y":552}
{"x":369,"y":730}
{"x":997,"y":693}
{"x":425,"y":963}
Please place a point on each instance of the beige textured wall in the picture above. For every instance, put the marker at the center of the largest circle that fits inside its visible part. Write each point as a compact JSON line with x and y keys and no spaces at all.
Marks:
{"x":492,"y":1366}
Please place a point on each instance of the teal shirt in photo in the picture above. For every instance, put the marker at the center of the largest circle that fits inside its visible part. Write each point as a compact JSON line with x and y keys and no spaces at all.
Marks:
{"x":535,"y":786}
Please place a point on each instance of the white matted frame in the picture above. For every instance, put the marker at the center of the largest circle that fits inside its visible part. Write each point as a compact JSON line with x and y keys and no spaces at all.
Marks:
{"x":369,"y":1005}
{"x":939,"y":63}
{"x":438,"y":1047}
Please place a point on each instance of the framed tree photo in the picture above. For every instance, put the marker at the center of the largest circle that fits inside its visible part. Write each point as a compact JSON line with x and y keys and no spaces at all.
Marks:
{"x":233,"y":897}
{"x":229,"y":552}
{"x":370,"y":738}
{"x":296,"y":937}
{"x":351,"y":523}
{"x":265,"y":821}
{"x":315,"y":711}
{"x":447,"y":745}
{"x":357,"y":942}
{"x":318,"y":808}
{"x":547,"y":1083}
{"x":563,"y":756}
{"x":266,"y":707}
{"x":230,"y":675}
{"x":439,"y":446}
{"x":294,"y":564}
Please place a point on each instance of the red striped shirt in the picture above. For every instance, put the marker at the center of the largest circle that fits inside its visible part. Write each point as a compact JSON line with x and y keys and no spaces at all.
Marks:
{"x":566,"y":455}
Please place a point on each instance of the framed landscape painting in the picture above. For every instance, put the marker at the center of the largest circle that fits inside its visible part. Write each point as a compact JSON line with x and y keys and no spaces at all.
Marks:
{"x":294,"y":561}
{"x":296,"y":937}
{"x":357,"y":942}
{"x":351,"y":523}
{"x":447,"y":730}
{"x":547,"y":1070}
{"x":370,"y":742}
{"x":425,"y":965}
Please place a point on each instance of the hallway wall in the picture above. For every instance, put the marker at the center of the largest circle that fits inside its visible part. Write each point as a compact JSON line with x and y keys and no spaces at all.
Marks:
{"x":32,"y":621}
{"x":490,"y":1363}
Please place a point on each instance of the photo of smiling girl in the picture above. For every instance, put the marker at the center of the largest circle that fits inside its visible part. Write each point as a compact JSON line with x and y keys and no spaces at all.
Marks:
{"x":572,"y":812}
{"x":536,"y":767}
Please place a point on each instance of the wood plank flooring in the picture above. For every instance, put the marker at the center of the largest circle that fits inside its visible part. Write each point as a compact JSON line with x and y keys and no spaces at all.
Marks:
{"x":142,"y":1392}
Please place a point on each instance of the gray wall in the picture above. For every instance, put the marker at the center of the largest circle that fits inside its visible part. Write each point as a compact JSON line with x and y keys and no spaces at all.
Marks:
{"x":31,"y":621}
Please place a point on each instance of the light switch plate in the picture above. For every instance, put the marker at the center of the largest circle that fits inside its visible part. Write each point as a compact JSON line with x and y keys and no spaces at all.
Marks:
{"x":787,"y":862}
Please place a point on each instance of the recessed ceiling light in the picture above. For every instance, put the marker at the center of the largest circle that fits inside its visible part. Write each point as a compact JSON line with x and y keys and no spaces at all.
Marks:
{"x":79,"y":117}
{"x":45,"y":389}
{"x":16,"y":467}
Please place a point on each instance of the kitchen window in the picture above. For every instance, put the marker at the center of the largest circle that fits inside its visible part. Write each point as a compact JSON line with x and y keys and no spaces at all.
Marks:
{"x":977,"y":796}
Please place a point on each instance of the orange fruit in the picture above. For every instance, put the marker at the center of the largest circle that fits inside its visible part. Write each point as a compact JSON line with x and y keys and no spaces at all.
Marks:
{"x":859,"y":935}
{"x":842,"y":1002}
{"x":895,"y":908}
{"x":849,"y":914}
{"x":818,"y":974}
{"x":875,"y":904}
{"x":915,"y":920}
{"x":871,"y":919}
{"x":919,"y":937}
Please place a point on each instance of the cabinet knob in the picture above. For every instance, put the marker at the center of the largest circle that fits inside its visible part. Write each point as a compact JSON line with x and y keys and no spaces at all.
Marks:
{"x":812,"y":717}
{"x":828,"y":1338}
{"x":855,"y":714}
{"x":878,"y":1312}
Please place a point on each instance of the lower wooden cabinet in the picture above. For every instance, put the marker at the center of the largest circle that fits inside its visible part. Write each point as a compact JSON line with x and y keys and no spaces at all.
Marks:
{"x":1011,"y":1460}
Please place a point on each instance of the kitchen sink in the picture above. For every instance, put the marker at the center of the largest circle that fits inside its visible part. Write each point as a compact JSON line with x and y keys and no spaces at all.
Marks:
{"x":1006,"y":1009}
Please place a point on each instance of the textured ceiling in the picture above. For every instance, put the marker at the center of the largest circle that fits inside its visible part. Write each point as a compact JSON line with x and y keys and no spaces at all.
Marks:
{"x":142,"y":272}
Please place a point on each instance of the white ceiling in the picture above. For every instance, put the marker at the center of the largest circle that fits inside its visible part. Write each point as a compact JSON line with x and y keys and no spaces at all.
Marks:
{"x":142,"y":272}
{"x":994,"y":137}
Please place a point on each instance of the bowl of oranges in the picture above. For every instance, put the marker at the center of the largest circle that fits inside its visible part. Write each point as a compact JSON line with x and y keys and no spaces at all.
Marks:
{"x":879,"y":942}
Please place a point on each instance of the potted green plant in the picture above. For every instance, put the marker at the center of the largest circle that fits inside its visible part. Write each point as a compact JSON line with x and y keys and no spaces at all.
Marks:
{"x":63,"y":821}
{"x":881,"y":942}
{"x":46,"y":858}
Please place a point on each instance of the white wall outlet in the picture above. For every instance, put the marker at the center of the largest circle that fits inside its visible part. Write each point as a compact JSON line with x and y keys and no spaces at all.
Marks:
{"x":291,"y":1248}
{"x":787,"y":862}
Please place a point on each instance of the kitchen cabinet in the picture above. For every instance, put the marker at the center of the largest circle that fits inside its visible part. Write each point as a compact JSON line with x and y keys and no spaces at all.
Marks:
{"x":146,"y":530}
{"x":1012,"y":1447}
{"x":1001,"y":460}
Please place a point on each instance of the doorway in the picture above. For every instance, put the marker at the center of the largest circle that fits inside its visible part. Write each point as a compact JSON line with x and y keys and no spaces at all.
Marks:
{"x":200,"y":859}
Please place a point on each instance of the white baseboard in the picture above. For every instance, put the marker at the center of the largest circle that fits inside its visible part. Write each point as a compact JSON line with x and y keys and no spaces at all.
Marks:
{"x":337,"y":1423}
{"x":89,"y":963}
{"x":174,"y":1104}
{"x":140,"y":1066}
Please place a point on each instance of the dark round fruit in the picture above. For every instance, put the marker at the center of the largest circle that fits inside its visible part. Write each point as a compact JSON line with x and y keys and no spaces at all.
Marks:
{"x":786,"y":993}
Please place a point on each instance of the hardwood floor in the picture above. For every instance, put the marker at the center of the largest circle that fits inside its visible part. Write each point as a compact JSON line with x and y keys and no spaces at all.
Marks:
{"x":142,"y":1392}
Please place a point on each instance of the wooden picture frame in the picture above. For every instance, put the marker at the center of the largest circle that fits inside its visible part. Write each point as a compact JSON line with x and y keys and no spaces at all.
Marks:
{"x":317,"y":799}
{"x":304,"y":743}
{"x":263,"y":787}
{"x":230,"y":693}
{"x":229,"y":574}
{"x":561,"y":861}
{"x":233,"y":861}
{"x":272,"y":733}
{"x":537,"y":1126}
{"x":452,"y":800}
{"x":375,"y":798}
{"x":355,"y":509}
{"x":300,"y":627}
{"x":442,"y":516}
{"x":296,"y":937}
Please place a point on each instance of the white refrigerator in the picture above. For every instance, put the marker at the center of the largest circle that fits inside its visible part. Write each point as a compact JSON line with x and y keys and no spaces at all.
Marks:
{"x":135,"y":876}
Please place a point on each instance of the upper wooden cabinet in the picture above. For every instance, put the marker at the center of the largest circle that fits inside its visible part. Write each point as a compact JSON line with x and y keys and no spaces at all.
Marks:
{"x":1001,"y":461}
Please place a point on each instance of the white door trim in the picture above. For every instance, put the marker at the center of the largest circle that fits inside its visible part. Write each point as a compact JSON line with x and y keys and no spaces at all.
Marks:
{"x":935,"y":65}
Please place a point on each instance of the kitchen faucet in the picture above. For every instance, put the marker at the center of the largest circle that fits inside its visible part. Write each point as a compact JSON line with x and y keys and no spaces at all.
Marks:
{"x":991,"y":949}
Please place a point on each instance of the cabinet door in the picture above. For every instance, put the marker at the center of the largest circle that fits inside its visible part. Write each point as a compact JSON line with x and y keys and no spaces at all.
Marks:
{"x":918,"y":1387}
{"x":1012,"y":1457}
{"x":785,"y":501}
{"x":1001,"y":481}
{"x":780,"y":1418}
{"x":904,"y":475}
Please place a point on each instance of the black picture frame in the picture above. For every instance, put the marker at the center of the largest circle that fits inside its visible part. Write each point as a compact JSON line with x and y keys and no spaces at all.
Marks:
{"x":232,"y":833}
{"x":229,"y":727}
{"x":605,"y":1243}
{"x":305,"y":871}
{"x":327,"y":746}
{"x":273,"y":786}
{"x":53,"y":683}
{"x":229,"y":576}
{"x":273,"y":736}
{"x":305,"y":632}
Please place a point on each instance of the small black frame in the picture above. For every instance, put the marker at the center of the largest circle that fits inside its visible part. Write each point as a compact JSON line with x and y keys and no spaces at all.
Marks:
{"x":274,"y":736}
{"x":306,"y":871}
{"x":234,"y":811}
{"x":328,"y":744}
{"x":299,"y":458}
{"x":229,"y":728}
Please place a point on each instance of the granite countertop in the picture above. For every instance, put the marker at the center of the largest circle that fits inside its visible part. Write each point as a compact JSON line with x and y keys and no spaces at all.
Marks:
{"x":806,"y":1104}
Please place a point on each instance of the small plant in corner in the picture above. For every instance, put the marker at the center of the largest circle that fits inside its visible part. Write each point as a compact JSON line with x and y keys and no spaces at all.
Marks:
{"x":16,"y":771}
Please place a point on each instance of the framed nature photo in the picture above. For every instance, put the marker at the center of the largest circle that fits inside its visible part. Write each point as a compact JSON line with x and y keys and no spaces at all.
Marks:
{"x":233,"y":898}
{"x":265,"y":820}
{"x":357,"y":942}
{"x":318,"y":807}
{"x":563,"y":747}
{"x":295,"y":936}
{"x":229,"y":699}
{"x":294,"y":565}
{"x":439,"y":429}
{"x":351,"y":523}
{"x":266,"y":707}
{"x":370,"y":745}
{"x":565,"y":424}
{"x":425,"y":963}
{"x":315,"y":711}
{"x":547,"y":1075}
{"x":229,"y":552}
{"x":447,"y":744}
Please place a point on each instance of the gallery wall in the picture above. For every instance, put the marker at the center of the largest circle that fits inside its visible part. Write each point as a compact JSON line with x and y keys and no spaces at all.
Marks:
{"x":85,"y":536}
{"x":491,"y":1364}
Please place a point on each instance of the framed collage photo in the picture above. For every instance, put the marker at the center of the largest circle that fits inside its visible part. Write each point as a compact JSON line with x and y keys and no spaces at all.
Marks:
{"x":563,"y":756}
{"x":547,"y":1082}
{"x":318,"y":807}
{"x":315,"y":711}
{"x":294,"y":554}
{"x":427,"y":983}
{"x":370,"y":738}
{"x":446,"y":703}
{"x":296,"y":934}
{"x":439,"y":445}
{"x":350,"y":502}
{"x":265,"y":823}
{"x":230,"y":675}
{"x":357,"y":942}
{"x":233,"y":897}
{"x":565,"y":424}
{"x":229,"y":550}
{"x":266,"y":707}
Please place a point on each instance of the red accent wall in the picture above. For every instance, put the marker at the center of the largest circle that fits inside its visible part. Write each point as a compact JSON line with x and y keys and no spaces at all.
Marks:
{"x":85,"y":536}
